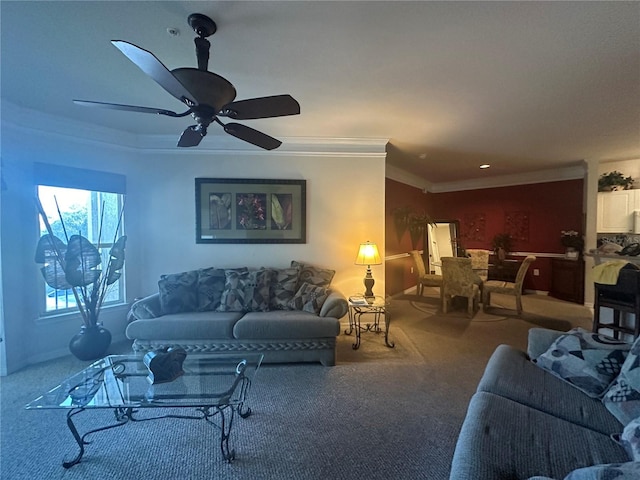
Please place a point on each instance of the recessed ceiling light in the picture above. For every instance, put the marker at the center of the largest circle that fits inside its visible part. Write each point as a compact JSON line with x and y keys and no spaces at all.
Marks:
{"x":485,"y":165}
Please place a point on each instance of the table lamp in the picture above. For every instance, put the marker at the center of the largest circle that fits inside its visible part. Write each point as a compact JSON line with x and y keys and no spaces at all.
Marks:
{"x":368,"y":255}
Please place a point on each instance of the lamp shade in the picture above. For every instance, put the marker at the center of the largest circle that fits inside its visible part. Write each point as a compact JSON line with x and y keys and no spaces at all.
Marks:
{"x":368,"y":254}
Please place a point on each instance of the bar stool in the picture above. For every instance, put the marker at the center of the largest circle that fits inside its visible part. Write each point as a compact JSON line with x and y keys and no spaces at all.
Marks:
{"x":624,"y":296}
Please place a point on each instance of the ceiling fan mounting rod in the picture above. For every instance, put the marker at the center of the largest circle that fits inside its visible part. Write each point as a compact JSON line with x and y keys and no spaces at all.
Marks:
{"x":204,"y":27}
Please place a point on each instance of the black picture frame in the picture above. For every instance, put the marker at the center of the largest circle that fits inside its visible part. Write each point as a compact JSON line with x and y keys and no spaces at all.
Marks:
{"x":237,"y":210}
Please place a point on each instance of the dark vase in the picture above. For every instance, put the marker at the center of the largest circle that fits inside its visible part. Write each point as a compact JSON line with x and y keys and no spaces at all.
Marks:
{"x":91,"y":343}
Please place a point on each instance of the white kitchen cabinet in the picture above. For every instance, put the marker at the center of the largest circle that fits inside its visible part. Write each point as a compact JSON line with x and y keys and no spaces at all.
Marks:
{"x":615,"y":211}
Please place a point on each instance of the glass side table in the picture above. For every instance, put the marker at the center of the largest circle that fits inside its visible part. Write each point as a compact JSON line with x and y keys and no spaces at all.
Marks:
{"x":376,"y":306}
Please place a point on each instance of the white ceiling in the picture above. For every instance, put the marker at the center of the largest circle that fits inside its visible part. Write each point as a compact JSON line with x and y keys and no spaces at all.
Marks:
{"x":525,"y":86}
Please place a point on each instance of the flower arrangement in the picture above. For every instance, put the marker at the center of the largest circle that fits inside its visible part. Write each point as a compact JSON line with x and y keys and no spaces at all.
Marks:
{"x":75,"y":266}
{"x":572,"y":239}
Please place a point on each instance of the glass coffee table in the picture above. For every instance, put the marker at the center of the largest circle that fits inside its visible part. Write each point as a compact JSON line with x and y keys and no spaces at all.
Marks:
{"x":215,"y":386}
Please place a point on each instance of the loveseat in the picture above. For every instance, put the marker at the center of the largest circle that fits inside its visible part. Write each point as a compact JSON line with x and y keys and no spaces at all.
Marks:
{"x":531,"y":417}
{"x":288,"y":314}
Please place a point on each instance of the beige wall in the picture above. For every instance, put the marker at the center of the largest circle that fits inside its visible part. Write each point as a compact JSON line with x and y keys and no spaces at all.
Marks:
{"x":345,"y":206}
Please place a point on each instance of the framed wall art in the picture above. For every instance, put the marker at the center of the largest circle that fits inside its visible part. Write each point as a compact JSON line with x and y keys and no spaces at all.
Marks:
{"x":235,"y":210}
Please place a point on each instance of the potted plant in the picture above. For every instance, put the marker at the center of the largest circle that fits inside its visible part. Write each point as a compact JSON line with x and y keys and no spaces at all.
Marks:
{"x":573,"y":243}
{"x":75,"y":264}
{"x":502,"y":244}
{"x":614,"y":181}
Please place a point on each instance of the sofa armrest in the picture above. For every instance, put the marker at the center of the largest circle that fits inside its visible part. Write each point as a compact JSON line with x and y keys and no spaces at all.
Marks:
{"x":335,"y":305}
{"x":147,"y":307}
{"x":540,"y":339}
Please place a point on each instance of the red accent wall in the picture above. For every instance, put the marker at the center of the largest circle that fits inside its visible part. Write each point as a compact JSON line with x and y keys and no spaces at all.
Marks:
{"x":547,"y":207}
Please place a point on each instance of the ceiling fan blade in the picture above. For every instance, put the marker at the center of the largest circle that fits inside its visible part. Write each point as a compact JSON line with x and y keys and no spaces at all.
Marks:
{"x":149,"y":64}
{"x":130,"y":108}
{"x":251,"y":135}
{"x":191,"y":137}
{"x":263,"y":107}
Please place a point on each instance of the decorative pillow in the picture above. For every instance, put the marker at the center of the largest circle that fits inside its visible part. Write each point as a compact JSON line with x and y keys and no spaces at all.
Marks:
{"x":246,"y":291}
{"x":589,"y":361}
{"x":617,"y":471}
{"x":623,"y":397}
{"x":309,"y":298}
{"x":314,"y":275}
{"x":283,"y":287}
{"x":178,"y":292}
{"x":211,"y":283}
{"x":630,"y":439}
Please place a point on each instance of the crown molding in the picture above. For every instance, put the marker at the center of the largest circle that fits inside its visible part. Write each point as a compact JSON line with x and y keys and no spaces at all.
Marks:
{"x":43,"y":125}
{"x":402,"y":176}
{"x":541,"y":176}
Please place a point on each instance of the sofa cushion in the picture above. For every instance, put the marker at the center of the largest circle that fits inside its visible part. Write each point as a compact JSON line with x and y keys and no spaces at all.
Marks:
{"x":283,"y":287}
{"x":185,"y":326}
{"x":314,"y":275}
{"x":285,"y":324}
{"x":587,"y":360}
{"x":623,"y":397}
{"x":503,"y":439}
{"x":211,"y":282}
{"x":178,"y":292}
{"x":510,"y":374}
{"x":309,"y":298}
{"x":246,"y":291}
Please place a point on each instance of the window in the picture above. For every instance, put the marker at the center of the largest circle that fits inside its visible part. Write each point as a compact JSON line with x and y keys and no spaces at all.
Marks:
{"x":93,"y":214}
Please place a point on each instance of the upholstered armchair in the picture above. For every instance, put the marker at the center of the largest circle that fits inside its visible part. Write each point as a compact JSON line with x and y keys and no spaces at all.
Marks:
{"x":509,"y":288}
{"x":479,"y":262}
{"x":459,"y":280}
{"x":425,"y":279}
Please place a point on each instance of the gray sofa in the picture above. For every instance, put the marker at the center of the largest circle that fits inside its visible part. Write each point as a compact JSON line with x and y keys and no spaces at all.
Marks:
{"x":524,"y":422}
{"x":226,"y":316}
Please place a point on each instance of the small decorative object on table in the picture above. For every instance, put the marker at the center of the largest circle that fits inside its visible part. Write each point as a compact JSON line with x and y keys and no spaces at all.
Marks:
{"x":165,"y":364}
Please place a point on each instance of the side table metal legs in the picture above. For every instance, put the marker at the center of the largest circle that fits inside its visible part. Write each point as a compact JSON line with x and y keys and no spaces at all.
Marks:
{"x":355,"y":314}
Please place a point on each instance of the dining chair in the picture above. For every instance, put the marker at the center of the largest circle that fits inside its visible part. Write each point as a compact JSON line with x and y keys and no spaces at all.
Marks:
{"x":509,"y":288}
{"x":459,"y":280}
{"x":479,"y":262}
{"x":425,"y":279}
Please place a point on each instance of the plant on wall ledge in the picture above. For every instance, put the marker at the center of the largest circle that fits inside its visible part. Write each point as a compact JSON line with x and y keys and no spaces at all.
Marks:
{"x":615,"y":180}
{"x":418,"y":226}
{"x":502,"y":244}
{"x":401,"y":217}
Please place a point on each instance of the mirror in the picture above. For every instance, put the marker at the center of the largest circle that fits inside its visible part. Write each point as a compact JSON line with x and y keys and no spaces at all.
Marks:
{"x":442,"y":240}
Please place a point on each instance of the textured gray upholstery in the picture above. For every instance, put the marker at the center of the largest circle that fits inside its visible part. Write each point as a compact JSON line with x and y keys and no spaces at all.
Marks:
{"x":510,"y":374}
{"x":524,"y":422}
{"x":281,"y":335}
{"x":502,"y":439}
{"x":285,"y":324}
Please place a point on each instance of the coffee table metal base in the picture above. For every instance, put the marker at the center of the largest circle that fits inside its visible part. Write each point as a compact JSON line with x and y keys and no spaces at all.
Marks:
{"x":225,"y":414}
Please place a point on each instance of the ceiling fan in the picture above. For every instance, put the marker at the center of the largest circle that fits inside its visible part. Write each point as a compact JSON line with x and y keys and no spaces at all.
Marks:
{"x":207,"y":95}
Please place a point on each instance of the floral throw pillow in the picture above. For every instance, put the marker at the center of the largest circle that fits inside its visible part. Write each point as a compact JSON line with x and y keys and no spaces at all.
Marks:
{"x":589,"y":361}
{"x":623,"y":397}
{"x":309,"y":298}
{"x":314,"y":275}
{"x":246,"y":291}
{"x":178,"y":292}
